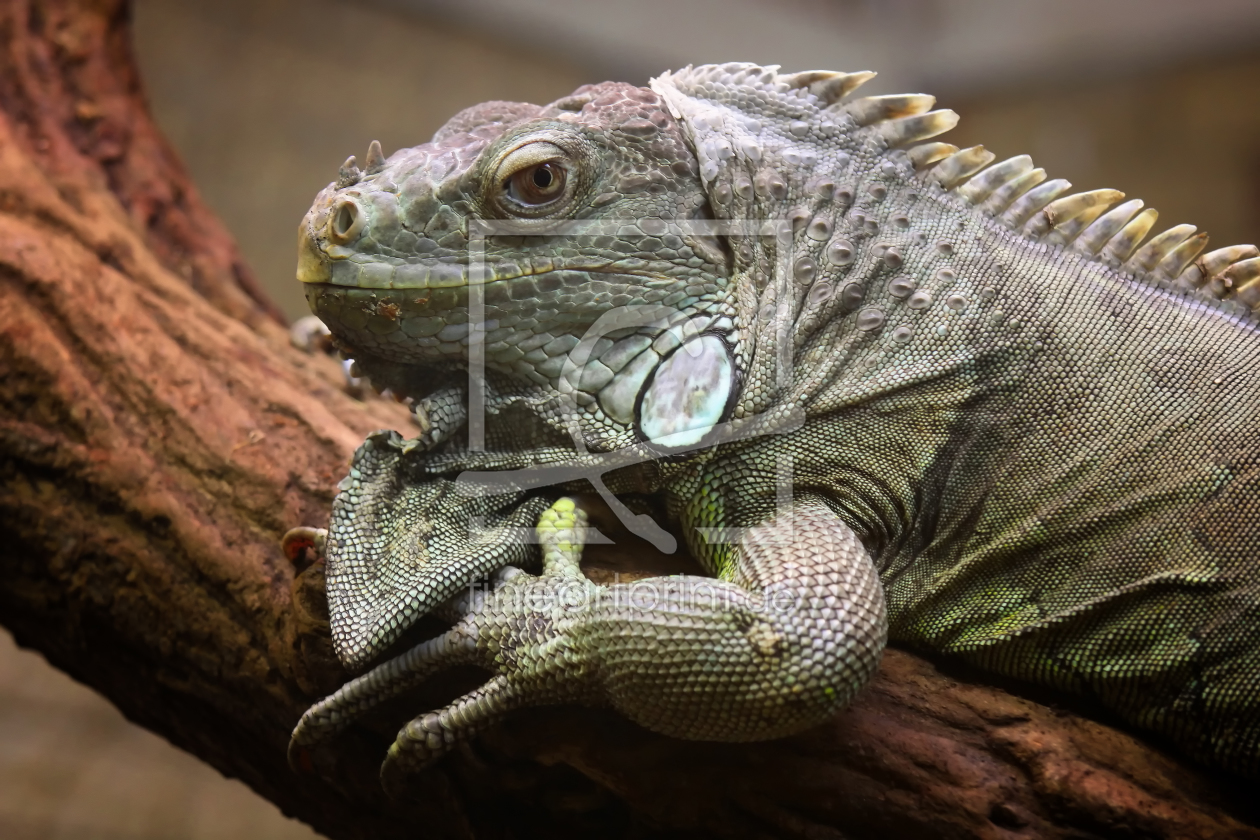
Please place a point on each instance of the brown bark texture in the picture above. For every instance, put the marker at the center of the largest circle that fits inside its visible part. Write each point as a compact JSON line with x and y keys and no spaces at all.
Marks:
{"x":158,"y":435}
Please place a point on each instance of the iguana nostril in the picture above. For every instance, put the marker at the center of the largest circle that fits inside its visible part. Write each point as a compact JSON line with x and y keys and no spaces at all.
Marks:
{"x":346,"y":217}
{"x":346,"y":222}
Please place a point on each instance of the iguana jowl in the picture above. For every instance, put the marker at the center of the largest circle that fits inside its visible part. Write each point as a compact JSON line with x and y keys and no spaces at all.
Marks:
{"x":900,"y":390}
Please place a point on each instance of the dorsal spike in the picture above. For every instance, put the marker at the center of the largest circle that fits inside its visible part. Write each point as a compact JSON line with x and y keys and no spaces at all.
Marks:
{"x":1063,"y":210}
{"x":1208,"y":266}
{"x":1244,"y":279}
{"x":1100,"y":232}
{"x":837,"y":89}
{"x":873,"y":109}
{"x":1066,"y":233}
{"x":829,"y":86}
{"x":1158,"y":248}
{"x":961,"y":165}
{"x":926,"y":154}
{"x":1123,"y":244}
{"x":984,"y":184}
{"x":1030,"y":202}
{"x":375,"y":157}
{"x":916,"y":128}
{"x":1094,"y":224}
{"x":808,"y":78}
{"x":1008,"y":192}
{"x":1178,"y":258}
{"x":1214,"y":262}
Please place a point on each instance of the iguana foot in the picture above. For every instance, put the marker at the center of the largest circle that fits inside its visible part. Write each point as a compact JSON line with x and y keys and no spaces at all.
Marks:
{"x":511,"y":627}
{"x":777,"y":651}
{"x":522,"y":628}
{"x":310,"y":334}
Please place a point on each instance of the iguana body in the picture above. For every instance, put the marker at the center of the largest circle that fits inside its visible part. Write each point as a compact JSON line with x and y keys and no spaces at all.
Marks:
{"x":959,"y":408}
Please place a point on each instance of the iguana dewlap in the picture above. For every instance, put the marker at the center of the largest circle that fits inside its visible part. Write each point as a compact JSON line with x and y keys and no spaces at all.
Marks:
{"x":885,"y":388}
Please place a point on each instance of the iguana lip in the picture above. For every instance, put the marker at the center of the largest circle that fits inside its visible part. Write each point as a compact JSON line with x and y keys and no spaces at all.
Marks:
{"x":415,"y":277}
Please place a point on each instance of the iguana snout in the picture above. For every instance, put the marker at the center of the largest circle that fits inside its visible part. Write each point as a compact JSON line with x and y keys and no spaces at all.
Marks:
{"x":568,"y":240}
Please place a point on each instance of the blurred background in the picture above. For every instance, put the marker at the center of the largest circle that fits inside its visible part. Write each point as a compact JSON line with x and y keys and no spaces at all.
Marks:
{"x":265,"y":98}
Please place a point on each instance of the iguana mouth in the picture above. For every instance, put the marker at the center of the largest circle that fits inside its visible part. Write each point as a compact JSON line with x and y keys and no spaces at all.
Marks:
{"x":347,"y":274}
{"x":323,"y":261}
{"x":411,"y":324}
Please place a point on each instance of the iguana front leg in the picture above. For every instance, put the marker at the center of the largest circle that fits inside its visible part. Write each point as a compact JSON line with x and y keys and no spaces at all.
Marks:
{"x":791,"y":631}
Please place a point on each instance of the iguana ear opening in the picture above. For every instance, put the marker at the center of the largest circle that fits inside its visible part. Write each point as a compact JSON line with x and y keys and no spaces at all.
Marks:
{"x":690,"y":392}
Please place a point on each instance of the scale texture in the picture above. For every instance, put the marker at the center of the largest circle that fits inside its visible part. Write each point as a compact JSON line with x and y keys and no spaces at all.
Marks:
{"x":882,"y":387}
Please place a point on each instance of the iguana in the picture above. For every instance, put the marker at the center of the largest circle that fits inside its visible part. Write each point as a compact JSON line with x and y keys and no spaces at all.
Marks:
{"x":883,"y":387}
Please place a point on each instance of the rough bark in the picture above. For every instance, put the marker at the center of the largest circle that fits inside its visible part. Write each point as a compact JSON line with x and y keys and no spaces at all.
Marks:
{"x":158,"y":435}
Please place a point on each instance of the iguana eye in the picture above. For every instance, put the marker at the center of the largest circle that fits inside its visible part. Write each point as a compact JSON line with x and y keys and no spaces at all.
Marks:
{"x":534,"y":179}
{"x":538,"y":184}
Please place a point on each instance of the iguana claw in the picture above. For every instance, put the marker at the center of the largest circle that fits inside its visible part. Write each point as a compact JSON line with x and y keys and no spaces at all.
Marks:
{"x":304,"y":546}
{"x":525,"y":654}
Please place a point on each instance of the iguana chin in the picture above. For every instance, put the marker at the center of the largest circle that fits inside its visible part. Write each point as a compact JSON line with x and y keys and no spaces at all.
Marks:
{"x":884,"y":388}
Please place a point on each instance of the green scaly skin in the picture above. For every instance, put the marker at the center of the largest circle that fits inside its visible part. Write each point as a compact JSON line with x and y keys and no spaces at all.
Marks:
{"x":888,"y":394}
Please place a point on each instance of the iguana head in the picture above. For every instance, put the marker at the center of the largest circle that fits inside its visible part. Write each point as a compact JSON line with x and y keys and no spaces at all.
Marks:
{"x":559,"y":215}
